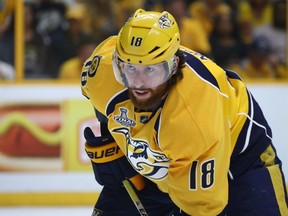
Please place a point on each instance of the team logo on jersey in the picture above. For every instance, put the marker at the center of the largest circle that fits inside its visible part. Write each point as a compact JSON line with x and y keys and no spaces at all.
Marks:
{"x":94,"y":65}
{"x":164,"y":21}
{"x":123,"y":118}
{"x":150,"y":163}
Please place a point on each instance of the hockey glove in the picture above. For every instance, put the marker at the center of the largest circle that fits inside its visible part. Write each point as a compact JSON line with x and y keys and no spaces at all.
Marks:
{"x":109,"y":164}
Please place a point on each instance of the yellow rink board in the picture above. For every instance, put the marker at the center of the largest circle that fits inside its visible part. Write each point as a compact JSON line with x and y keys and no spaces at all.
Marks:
{"x":48,"y":199}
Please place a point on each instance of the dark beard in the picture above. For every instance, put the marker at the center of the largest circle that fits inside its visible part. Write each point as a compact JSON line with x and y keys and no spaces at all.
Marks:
{"x":149,"y":103}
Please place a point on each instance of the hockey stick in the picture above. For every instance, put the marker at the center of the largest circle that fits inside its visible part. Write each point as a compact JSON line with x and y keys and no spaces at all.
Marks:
{"x":134,"y":197}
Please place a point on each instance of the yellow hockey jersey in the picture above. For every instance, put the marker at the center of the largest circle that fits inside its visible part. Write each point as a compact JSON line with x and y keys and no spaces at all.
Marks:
{"x":185,"y":146}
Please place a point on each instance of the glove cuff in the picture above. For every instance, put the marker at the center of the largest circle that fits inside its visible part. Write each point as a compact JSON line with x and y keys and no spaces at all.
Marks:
{"x":103,"y":154}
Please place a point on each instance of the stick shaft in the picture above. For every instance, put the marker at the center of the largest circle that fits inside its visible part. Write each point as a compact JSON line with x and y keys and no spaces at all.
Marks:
{"x":134,"y":197}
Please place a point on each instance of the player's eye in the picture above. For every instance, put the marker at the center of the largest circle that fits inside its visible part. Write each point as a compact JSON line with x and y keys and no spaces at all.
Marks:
{"x":130,"y":68}
{"x":149,"y":69}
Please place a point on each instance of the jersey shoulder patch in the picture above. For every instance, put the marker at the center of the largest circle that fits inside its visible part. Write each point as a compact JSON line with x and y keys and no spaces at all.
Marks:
{"x":90,"y":69}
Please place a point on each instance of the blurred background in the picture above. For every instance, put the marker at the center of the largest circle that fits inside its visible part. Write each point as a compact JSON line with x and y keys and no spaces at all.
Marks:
{"x":43,"y":45}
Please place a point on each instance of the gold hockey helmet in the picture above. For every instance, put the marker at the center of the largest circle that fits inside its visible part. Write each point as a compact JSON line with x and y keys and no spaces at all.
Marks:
{"x":148,"y":38}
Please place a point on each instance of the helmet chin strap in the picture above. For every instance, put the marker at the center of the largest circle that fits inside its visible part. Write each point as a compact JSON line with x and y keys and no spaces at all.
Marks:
{"x":175,"y":64}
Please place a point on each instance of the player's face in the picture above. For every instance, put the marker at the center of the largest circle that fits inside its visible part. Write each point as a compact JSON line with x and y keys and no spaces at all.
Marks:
{"x":145,"y":99}
{"x":149,"y":76}
{"x":144,"y":76}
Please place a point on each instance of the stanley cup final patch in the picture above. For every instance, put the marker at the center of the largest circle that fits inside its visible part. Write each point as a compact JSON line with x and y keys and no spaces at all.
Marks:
{"x":123,"y":118}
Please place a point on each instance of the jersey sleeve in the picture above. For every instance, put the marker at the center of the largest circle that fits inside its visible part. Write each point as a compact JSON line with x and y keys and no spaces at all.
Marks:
{"x":200,"y":186}
{"x":197,"y":176}
{"x":200,"y":147}
{"x":91,"y":65}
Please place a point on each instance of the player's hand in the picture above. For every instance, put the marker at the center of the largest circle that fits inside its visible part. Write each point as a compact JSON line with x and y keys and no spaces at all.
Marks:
{"x":109,"y":164}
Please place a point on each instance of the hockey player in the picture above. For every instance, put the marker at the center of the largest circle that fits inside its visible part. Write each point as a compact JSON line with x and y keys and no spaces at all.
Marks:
{"x":190,"y":128}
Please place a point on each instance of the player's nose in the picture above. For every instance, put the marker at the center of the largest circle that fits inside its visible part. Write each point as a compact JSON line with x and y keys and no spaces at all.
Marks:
{"x":139,"y":81}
